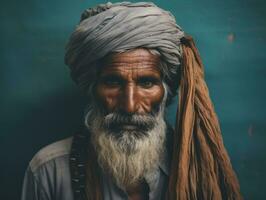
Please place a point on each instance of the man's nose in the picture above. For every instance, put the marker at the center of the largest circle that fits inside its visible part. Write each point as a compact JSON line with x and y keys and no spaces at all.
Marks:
{"x":129,"y":99}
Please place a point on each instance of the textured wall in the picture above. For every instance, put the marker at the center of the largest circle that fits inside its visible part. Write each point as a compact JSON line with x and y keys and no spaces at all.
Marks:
{"x":39,"y":103}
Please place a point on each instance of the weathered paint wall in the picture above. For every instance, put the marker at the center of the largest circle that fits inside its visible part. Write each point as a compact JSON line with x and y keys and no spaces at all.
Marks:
{"x":40,"y":104}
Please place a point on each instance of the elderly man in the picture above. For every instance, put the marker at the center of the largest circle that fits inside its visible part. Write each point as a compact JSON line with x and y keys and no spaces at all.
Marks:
{"x":131,"y":58}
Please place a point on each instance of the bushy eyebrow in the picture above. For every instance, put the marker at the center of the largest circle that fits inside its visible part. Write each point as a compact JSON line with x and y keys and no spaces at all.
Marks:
{"x":149,"y":78}
{"x":112,"y":76}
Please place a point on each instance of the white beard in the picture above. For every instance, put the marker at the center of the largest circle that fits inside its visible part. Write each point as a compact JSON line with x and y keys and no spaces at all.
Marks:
{"x":128,"y":159}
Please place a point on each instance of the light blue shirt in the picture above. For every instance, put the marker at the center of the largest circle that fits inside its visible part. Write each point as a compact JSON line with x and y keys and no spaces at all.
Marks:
{"x":48,"y":177}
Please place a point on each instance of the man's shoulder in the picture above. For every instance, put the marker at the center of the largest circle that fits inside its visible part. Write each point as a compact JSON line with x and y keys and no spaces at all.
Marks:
{"x":51,"y":152}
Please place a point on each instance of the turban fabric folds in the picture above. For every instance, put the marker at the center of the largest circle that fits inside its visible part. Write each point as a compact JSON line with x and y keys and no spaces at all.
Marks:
{"x":120,"y":27}
{"x":200,"y":166}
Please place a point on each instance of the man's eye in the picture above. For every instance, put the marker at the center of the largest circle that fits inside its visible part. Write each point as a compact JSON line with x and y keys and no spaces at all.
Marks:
{"x":111,"y":82}
{"x":147,"y":83}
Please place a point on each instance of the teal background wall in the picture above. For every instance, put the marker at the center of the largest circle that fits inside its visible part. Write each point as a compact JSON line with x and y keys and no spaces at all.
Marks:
{"x":39,"y":104}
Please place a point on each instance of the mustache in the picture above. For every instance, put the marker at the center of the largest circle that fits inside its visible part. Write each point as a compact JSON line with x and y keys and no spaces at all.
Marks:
{"x":116,"y":120}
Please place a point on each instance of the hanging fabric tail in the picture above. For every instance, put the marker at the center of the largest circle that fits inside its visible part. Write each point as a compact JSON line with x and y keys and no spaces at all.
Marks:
{"x":201,"y":168}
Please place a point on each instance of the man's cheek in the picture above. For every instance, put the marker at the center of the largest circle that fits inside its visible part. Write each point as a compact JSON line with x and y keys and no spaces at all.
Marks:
{"x":108,"y":102}
{"x":149,"y":104}
{"x":154,"y":97}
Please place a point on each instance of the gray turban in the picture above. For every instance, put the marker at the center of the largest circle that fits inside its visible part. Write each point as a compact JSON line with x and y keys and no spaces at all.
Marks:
{"x":119,"y":27}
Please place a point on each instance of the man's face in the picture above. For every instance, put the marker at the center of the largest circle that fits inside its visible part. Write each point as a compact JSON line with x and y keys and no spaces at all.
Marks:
{"x":127,"y":119}
{"x":130,"y":83}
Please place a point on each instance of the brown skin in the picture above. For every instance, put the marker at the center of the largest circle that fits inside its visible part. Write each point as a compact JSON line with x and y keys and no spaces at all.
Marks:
{"x":131,"y":82}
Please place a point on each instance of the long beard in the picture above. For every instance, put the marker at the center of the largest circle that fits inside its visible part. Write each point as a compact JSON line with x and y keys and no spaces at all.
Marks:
{"x":128,"y":155}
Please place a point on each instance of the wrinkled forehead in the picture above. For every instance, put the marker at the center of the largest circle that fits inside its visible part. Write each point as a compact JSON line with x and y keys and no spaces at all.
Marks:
{"x":133,"y":61}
